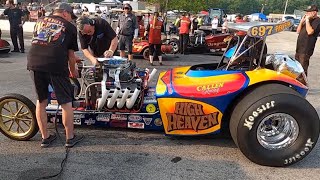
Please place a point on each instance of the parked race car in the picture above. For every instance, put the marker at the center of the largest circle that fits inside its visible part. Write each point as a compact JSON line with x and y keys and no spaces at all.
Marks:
{"x":258,"y":98}
{"x":141,"y":47}
{"x":4,"y":45}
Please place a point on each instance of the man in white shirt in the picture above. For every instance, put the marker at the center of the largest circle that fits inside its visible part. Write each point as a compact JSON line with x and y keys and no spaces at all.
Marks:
{"x":214,"y":25}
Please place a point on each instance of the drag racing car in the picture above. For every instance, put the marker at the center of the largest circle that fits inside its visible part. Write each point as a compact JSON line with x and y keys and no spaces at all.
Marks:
{"x":4,"y":45}
{"x":259,"y":98}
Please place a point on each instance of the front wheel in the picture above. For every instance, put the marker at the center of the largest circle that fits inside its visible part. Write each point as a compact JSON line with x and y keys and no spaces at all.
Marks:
{"x":146,"y":53}
{"x":175,"y":45}
{"x":274,"y":129}
{"x":17,"y":117}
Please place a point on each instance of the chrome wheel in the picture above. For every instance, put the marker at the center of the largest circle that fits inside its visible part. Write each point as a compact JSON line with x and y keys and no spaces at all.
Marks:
{"x":175,"y":46}
{"x":16,"y":118}
{"x":277,"y":131}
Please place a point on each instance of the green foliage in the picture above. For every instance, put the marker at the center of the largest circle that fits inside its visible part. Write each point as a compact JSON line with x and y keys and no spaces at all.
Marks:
{"x":236,"y":6}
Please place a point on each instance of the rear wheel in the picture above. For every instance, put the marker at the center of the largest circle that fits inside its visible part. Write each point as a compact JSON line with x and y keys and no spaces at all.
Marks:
{"x":17,"y":117}
{"x":274,"y":126}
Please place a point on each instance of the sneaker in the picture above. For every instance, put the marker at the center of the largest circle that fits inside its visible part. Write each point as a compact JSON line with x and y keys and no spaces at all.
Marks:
{"x":46,"y":142}
{"x":160,"y":63}
{"x":22,"y":51}
{"x":151,"y":64}
{"x":15,"y":51}
{"x":71,"y":142}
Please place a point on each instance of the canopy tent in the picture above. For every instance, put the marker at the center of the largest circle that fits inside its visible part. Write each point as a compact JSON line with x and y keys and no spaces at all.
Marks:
{"x":204,"y":12}
{"x":259,"y":16}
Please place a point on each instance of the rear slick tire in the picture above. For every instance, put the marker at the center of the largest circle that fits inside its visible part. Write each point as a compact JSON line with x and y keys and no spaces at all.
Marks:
{"x":274,"y":128}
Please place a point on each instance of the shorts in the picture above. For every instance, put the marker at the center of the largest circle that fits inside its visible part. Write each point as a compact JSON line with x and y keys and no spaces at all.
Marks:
{"x":125,"y":42}
{"x":155,"y":49}
{"x":60,"y":84}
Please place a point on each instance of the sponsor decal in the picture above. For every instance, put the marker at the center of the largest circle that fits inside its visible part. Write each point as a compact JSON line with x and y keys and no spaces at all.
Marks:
{"x":117,"y":123}
{"x":190,"y":116}
{"x":90,"y":121}
{"x":77,"y":119}
{"x":249,"y":121}
{"x":120,"y":117}
{"x":53,"y":95}
{"x":158,"y":122}
{"x":78,"y":116}
{"x":134,"y":118}
{"x":151,"y":108}
{"x":136,"y":125}
{"x":147,"y":121}
{"x":210,"y":87}
{"x":308,"y":146}
{"x":53,"y":102}
{"x":103,"y":117}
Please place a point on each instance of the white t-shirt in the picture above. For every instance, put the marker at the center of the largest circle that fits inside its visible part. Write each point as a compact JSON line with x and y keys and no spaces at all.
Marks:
{"x":214,"y":23}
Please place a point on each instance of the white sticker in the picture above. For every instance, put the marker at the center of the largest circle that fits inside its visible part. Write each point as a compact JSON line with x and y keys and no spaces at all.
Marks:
{"x":77,"y":121}
{"x":147,"y":121}
{"x":120,"y":117}
{"x":103,"y":117}
{"x":136,"y":125}
{"x":134,"y":118}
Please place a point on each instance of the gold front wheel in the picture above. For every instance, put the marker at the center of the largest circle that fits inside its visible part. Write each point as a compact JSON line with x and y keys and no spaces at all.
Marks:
{"x":17,"y":117}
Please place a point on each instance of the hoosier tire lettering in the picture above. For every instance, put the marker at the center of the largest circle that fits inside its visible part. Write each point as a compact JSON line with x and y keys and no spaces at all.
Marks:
{"x":297,"y":156}
{"x":248,"y":122}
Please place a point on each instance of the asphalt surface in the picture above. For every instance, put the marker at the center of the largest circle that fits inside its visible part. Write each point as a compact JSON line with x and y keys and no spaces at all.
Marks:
{"x":130,"y":154}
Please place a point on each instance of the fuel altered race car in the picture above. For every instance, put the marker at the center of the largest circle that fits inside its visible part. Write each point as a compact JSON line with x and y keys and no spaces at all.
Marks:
{"x":258,"y":98}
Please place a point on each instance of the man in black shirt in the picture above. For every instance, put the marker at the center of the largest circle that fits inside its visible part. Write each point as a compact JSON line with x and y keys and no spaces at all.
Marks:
{"x":97,"y":38}
{"x":50,"y":59}
{"x":16,"y":22}
{"x":127,"y":30}
{"x":308,"y":30}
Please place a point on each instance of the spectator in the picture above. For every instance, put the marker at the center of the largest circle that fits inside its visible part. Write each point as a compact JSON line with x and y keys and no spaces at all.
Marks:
{"x":308,"y":31}
{"x":214,"y":25}
{"x":154,"y":28}
{"x":127,"y":30}
{"x":194,"y":24}
{"x":200,"y":21}
{"x":239,"y":19}
{"x":184,"y":31}
{"x":50,"y":61}
{"x":225,"y":25}
{"x":41,"y":12}
{"x":26,"y":13}
{"x":16,"y":19}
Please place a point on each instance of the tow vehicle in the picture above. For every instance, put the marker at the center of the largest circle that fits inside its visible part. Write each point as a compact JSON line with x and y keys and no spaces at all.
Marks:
{"x":258,"y":97}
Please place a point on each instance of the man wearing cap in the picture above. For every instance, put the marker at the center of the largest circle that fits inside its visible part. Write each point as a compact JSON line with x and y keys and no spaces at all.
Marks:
{"x":127,"y":30}
{"x":50,"y":61}
{"x":308,"y":31}
{"x":16,"y":19}
{"x":97,"y":38}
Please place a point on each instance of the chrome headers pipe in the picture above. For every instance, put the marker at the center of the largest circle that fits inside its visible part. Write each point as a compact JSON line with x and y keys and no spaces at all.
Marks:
{"x":124,"y":98}
{"x":133,"y":98}
{"x":114,"y":97}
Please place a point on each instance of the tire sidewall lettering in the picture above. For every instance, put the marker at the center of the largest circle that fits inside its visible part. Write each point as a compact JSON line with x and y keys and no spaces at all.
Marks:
{"x":250,"y":120}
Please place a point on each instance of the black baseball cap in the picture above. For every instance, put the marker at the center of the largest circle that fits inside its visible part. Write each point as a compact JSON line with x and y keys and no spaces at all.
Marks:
{"x":66,"y":7}
{"x":312,"y":8}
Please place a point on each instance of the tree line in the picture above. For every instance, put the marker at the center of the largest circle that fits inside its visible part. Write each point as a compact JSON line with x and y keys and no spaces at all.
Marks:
{"x":230,"y":6}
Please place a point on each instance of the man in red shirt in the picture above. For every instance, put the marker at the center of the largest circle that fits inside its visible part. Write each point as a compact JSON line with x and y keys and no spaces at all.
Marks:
{"x":185,"y":25}
{"x":154,"y":28}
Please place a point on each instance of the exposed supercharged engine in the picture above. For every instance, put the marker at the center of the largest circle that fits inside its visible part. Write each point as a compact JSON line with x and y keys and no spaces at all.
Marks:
{"x":114,"y":85}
